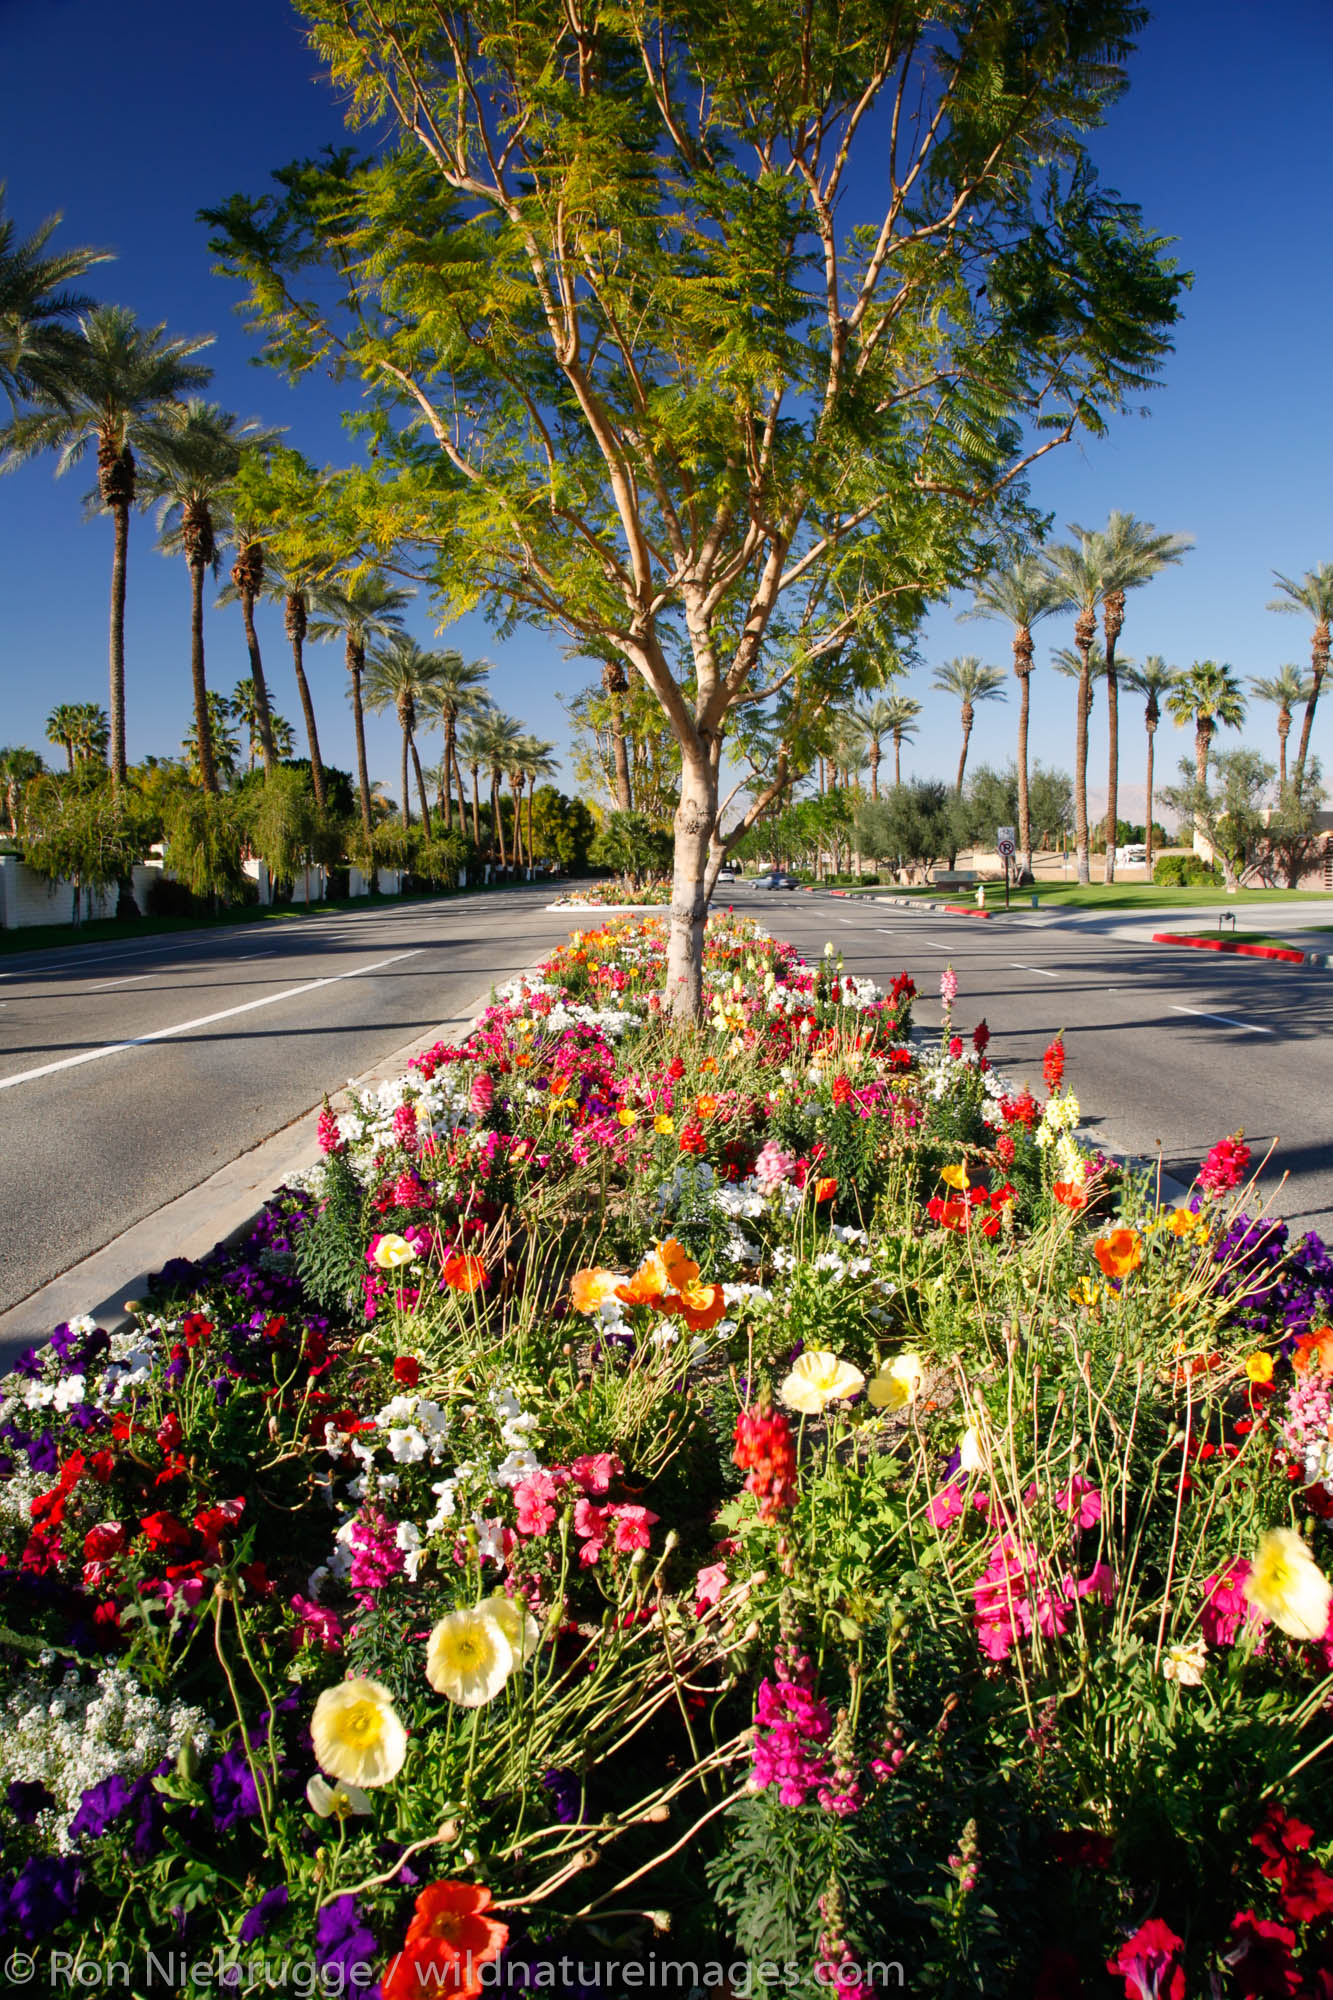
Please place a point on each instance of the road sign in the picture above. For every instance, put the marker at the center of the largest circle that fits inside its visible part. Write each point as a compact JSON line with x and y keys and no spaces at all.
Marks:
{"x":1005,"y":842}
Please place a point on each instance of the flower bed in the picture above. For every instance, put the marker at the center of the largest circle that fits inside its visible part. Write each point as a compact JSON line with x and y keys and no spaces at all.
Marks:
{"x":616,"y":896}
{"x":760,"y":1501}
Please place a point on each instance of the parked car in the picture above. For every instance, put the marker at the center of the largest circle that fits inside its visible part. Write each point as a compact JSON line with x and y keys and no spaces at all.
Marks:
{"x":727,"y":875}
{"x":777,"y":880}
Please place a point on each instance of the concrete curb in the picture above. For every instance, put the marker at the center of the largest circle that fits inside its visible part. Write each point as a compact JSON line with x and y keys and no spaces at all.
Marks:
{"x":220,"y":1209}
{"x":1231,"y":946}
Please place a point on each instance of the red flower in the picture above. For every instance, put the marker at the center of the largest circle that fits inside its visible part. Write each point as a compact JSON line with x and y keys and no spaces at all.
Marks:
{"x":101,"y":1545}
{"x":1053,"y":1063}
{"x":981,"y":1038}
{"x":1070,"y":1195}
{"x":692,"y":1139}
{"x":448,"y":1941}
{"x":215,"y":1522}
{"x":1004,"y":1150}
{"x":170,"y":1437}
{"x":675,"y":1069}
{"x":196,"y":1330}
{"x":165,"y":1532}
{"x":825,"y":1189}
{"x":765,"y":1453}
{"x":406,"y":1371}
{"x":1146,"y":1963}
{"x":949,"y":1214}
{"x":842,"y":1090}
{"x":1307,"y":1889}
{"x":1262,"y":1962}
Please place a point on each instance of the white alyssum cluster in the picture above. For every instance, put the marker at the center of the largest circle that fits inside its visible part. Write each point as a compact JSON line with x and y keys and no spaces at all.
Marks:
{"x":74,"y":1735}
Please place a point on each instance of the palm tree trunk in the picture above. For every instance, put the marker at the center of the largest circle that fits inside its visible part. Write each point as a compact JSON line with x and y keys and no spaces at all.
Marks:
{"x":1203,"y":736}
{"x":421,"y":784}
{"x":476,"y":810}
{"x":1113,"y":618}
{"x":497,"y":822}
{"x":263,"y":717}
{"x":874,"y":767}
{"x":311,"y":732}
{"x":120,"y":516}
{"x":1024,"y":808}
{"x":624,"y":795}
{"x":1147,"y":831}
{"x":897,"y":760}
{"x":1318,"y":668}
{"x":517,"y":842}
{"x":446,"y":801}
{"x":202,"y":726}
{"x":532,"y":859}
{"x":1283,"y":732}
{"x":355,"y":663}
{"x":407,"y":803}
{"x":462,"y":796}
{"x":962,"y":761}
{"x":1085,"y":631}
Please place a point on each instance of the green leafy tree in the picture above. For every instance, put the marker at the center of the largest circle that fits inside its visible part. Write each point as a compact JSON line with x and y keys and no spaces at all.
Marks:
{"x":751,"y":424}
{"x":1312,"y":595}
{"x":1231,"y":817}
{"x":914,"y":826}
{"x":81,"y":830}
{"x":632,"y":846}
{"x":1209,"y":696}
{"x":1132,"y":553}
{"x":205,"y":841}
{"x":560,"y":829}
{"x":603,"y":725}
{"x":1152,"y":679}
{"x":1051,"y":805}
{"x":123,"y":378}
{"x":1284,"y":690}
{"x":38,"y":347}
{"x":286,"y":826}
{"x":1022,"y":593}
{"x":969,"y":682}
{"x":1294,"y":835}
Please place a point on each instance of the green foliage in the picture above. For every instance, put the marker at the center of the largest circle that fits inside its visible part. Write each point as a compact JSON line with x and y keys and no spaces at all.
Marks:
{"x":632,"y":845}
{"x":913,"y":825}
{"x":285,"y":825}
{"x":563,"y":829}
{"x":330,"y":1246}
{"x":204,"y":838}
{"x":1184,"y":871}
{"x":1231,"y":817}
{"x":77,"y":829}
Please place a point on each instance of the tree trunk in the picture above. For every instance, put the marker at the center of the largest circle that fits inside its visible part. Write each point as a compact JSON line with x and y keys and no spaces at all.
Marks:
{"x":120,"y":518}
{"x":406,"y":784}
{"x":532,"y":859}
{"x":518,"y":823}
{"x":696,"y":817}
{"x":262,"y":713}
{"x":624,"y":795}
{"x":1319,"y":650}
{"x":1024,"y":809}
{"x":1283,"y":732}
{"x":1147,"y":832}
{"x":202,"y":726}
{"x":1085,"y":631}
{"x":476,"y":810}
{"x":1113,"y":618}
{"x":312,"y":733}
{"x":421,"y":785}
{"x":874,"y":767}
{"x":446,"y":801}
{"x":1203,"y":736}
{"x":497,"y":823}
{"x":462,"y":795}
{"x":962,"y":761}
{"x":897,"y":762}
{"x":356,"y":660}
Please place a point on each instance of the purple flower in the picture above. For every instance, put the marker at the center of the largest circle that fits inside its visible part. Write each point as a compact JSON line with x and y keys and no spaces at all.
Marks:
{"x":45,"y":1893}
{"x":99,"y":1806}
{"x":26,"y":1798}
{"x":42,"y":1454}
{"x":27,"y":1365}
{"x":269,"y":1907}
{"x":231,"y":1789}
{"x":342,"y":1939}
{"x":566,"y":1794}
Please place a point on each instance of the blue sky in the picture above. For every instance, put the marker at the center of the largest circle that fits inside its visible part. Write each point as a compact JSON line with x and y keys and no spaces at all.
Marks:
{"x":130,"y":119}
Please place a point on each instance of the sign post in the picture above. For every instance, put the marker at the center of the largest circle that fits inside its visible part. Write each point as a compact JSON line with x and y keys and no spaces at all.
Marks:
{"x":1005,"y":844}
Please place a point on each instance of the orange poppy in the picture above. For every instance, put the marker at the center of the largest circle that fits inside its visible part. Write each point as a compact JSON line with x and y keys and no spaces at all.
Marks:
{"x":448,"y":1940}
{"x":825,"y":1189}
{"x":463,"y":1273}
{"x":665,"y":1269}
{"x":1314,"y":1350}
{"x":1119,"y":1253}
{"x":589,"y":1289}
{"x":709,"y":1065}
{"x":705,"y":1106}
{"x":700,"y":1306}
{"x":1070,"y":1195}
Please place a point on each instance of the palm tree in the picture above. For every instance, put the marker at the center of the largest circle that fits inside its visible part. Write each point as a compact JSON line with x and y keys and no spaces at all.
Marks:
{"x":363,"y":606}
{"x":37,"y":346}
{"x":1314,"y":596}
{"x":472,"y":751}
{"x":243,"y":707}
{"x":399,"y":675}
{"x":541,"y":762}
{"x":903,"y":713}
{"x":192,"y":457}
{"x":122,"y":378}
{"x":875,"y":722}
{"x":1132,"y":553}
{"x":1023,"y":594}
{"x":224,"y":745}
{"x":18,"y":767}
{"x":500,"y":734}
{"x":1284,"y":689}
{"x":1079,"y":582}
{"x":1075,"y":666}
{"x":1208,"y":695}
{"x":452,"y":695}
{"x":1152,"y":680}
{"x":62,"y":726}
{"x":969,"y":682}
{"x":247,"y":523}
{"x":295,"y":580}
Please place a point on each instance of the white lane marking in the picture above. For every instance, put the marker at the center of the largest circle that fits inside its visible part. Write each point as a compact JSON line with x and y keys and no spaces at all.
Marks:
{"x":134,"y":979}
{"x":937,"y":947}
{"x":202,"y":1021}
{"x":1033,"y":968}
{"x":1225,"y":1019}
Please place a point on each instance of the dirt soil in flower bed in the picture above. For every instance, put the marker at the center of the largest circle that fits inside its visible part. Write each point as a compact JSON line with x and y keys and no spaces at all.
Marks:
{"x":755,"y":1498}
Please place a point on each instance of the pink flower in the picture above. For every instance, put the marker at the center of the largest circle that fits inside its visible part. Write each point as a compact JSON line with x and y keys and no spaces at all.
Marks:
{"x":315,"y":1622}
{"x":405,"y":1125}
{"x":945,"y":1507}
{"x":948,"y":986}
{"x":709,"y":1585}
{"x":590,"y":1524}
{"x":772,"y":1167}
{"x":533,"y":1500}
{"x":632,"y":1528}
{"x":1081,"y":1500}
{"x":1225,"y":1607}
{"x":595,"y":1471}
{"x":481,"y":1096}
{"x":326,"y":1132}
{"x":1224,"y":1167}
{"x":1147,"y":1964}
{"x":1099,"y":1582}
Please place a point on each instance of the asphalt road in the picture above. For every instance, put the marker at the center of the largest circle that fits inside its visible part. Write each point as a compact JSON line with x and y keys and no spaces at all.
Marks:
{"x":1168,"y":1050}
{"x":260,"y":1023}
{"x":245,"y":1030}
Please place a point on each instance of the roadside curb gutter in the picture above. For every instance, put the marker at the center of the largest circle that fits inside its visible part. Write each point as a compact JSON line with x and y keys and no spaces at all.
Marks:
{"x":218,"y":1210}
{"x":1234,"y":947}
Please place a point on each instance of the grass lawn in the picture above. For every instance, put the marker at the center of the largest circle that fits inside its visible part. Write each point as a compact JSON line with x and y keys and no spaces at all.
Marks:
{"x":1119,"y":896}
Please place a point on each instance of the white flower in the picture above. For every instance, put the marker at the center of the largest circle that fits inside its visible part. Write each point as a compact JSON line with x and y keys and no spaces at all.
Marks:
{"x":407,"y":1537}
{"x":1185,"y":1664}
{"x":406,"y":1447}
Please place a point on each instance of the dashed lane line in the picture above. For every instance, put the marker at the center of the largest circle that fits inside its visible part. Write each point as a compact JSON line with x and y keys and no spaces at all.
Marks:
{"x":1227,"y":1022}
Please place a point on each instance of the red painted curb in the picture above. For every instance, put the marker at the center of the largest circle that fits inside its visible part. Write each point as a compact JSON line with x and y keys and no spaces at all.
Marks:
{"x":1226,"y":944}
{"x":964,"y":910}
